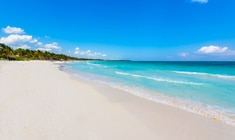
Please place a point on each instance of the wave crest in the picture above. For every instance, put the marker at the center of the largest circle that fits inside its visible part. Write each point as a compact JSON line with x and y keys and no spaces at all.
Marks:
{"x":206,"y":74}
{"x":158,"y":79}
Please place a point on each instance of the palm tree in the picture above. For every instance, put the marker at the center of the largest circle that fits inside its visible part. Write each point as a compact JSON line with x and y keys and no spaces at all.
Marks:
{"x":6,"y":51}
{"x":20,"y":52}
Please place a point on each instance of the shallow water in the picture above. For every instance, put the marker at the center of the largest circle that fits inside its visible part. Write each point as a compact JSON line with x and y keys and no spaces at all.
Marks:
{"x":205,"y":88}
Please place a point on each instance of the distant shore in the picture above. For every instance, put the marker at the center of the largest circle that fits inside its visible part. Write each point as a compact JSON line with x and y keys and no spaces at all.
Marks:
{"x":39,"y":101}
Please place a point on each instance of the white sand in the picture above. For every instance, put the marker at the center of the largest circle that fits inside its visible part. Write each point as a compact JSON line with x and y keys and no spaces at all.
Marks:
{"x":40,"y":102}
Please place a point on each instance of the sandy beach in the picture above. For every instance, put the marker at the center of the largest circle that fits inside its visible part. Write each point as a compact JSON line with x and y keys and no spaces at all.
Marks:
{"x":38,"y":101}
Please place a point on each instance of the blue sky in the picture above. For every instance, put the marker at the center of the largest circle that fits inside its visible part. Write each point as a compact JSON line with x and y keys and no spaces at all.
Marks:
{"x":123,"y":29}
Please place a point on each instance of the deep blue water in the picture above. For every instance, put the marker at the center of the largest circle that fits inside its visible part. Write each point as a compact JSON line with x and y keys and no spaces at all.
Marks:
{"x":206,"y":88}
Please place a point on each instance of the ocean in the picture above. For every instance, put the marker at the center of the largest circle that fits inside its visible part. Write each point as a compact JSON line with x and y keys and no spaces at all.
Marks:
{"x":205,"y":88}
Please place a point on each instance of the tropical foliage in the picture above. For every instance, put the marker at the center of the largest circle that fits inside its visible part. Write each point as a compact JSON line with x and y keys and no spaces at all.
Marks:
{"x":8,"y":53}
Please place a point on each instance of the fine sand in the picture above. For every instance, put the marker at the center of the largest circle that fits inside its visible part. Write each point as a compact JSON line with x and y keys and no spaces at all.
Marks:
{"x":40,"y":102}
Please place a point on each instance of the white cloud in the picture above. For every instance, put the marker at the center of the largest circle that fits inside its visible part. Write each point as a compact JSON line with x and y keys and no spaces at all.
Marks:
{"x":184,"y":54}
{"x":39,"y":43}
{"x":212,"y":49}
{"x":34,"y":41}
{"x":13,"y":30}
{"x":104,"y":55}
{"x":14,"y":39}
{"x":18,"y":39}
{"x":88,"y":53}
{"x":50,"y":47}
{"x":53,"y":45}
{"x":44,"y":49}
{"x":200,"y":1}
{"x":76,"y":51}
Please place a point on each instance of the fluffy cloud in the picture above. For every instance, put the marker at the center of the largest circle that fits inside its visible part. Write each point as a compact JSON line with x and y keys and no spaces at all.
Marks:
{"x":50,"y":47}
{"x":200,"y":1}
{"x":13,"y":30}
{"x":89,"y":53}
{"x":212,"y":49}
{"x":18,"y":39}
{"x":53,"y":45}
{"x":14,"y":39}
{"x":184,"y":54}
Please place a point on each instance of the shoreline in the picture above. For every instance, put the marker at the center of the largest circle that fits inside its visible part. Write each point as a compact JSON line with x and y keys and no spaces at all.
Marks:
{"x":218,"y":114}
{"x":39,"y":101}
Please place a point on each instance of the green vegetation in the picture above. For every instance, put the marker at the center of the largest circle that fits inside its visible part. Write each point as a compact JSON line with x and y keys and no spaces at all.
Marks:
{"x":8,"y":53}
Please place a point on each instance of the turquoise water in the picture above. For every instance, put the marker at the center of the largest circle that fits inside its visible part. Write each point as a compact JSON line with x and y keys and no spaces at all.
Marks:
{"x":205,"y":88}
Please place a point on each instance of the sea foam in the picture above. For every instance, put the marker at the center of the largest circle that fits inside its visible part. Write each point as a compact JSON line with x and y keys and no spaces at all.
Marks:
{"x":158,"y":79}
{"x":206,"y":74}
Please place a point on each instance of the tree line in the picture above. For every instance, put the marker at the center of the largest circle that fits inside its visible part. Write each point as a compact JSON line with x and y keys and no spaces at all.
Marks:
{"x":9,"y":53}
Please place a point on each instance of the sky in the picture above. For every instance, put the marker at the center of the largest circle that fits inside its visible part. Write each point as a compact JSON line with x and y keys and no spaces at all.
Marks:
{"x":148,"y":30}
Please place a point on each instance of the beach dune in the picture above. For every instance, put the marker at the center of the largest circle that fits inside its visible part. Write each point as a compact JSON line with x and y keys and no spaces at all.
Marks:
{"x":38,"y":101}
